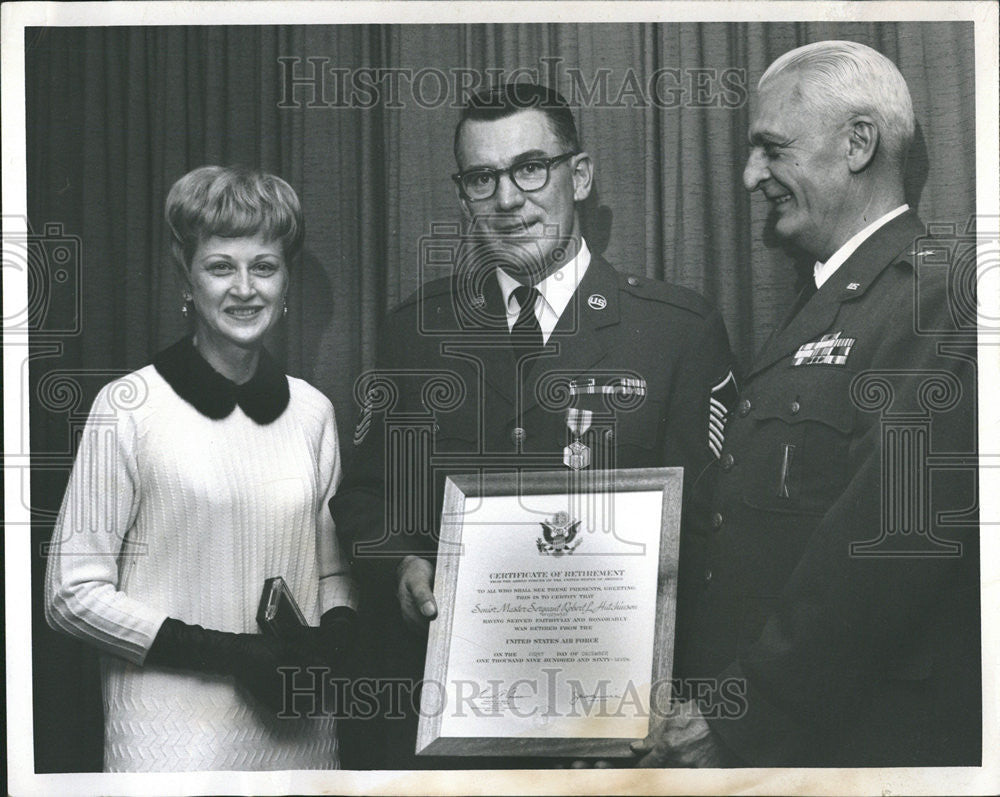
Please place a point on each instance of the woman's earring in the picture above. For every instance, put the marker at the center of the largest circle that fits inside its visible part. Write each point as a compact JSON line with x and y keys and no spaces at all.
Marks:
{"x":284,"y":309}
{"x":184,"y":307}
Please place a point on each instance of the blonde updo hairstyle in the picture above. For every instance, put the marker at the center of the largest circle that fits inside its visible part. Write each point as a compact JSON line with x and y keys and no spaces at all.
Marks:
{"x":232,"y":202}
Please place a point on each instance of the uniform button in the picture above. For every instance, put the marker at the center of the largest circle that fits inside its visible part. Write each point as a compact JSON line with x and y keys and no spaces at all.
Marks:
{"x":717,"y":520}
{"x":632,"y":281}
{"x":795,"y":407}
{"x":745,"y":407}
{"x":708,"y":575}
{"x":518,"y":435}
{"x":727,"y":462}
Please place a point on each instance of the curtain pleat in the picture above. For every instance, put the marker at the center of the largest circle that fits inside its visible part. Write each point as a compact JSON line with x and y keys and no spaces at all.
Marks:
{"x":116,"y":114}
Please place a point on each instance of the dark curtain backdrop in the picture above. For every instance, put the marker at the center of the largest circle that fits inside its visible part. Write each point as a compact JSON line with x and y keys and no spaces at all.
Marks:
{"x":115,"y":115}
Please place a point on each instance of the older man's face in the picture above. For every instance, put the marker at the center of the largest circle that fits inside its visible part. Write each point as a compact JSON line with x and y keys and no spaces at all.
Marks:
{"x":798,"y":160}
{"x":532,"y":231}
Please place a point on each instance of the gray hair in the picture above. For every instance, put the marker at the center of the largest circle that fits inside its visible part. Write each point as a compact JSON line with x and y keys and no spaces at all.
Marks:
{"x":844,"y":79}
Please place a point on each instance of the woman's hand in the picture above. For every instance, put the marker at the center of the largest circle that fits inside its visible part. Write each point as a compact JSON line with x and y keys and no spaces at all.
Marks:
{"x":268,"y":666}
{"x":336,"y":642}
{"x":252,"y":659}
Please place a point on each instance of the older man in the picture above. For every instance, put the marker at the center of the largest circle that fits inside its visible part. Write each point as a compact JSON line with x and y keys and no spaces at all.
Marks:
{"x":839,"y":597}
{"x":643,"y":362}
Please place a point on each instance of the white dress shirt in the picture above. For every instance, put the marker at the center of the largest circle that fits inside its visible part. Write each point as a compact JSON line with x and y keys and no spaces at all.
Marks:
{"x":556,"y":290}
{"x":823,"y":271}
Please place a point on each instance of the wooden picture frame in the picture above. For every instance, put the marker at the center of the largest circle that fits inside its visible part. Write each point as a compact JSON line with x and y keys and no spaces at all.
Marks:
{"x":556,"y":597}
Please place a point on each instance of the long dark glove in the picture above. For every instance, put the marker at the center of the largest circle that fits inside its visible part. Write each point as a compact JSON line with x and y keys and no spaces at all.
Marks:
{"x":336,"y":642}
{"x":339,"y":633}
{"x":252,"y":658}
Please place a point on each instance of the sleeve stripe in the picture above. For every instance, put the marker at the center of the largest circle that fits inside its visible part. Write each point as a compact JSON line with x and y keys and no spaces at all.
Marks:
{"x":718,"y":405}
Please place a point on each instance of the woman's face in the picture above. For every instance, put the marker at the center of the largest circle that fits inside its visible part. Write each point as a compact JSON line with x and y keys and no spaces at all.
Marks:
{"x":238,"y":286}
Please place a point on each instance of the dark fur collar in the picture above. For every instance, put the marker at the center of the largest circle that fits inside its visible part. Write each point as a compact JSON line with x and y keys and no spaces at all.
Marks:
{"x":263,"y":398}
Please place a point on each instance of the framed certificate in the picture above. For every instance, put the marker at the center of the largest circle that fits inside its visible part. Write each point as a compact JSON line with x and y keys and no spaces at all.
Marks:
{"x":556,"y":604}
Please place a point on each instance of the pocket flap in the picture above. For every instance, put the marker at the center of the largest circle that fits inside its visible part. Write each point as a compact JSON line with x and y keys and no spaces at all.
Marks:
{"x":814,"y":394}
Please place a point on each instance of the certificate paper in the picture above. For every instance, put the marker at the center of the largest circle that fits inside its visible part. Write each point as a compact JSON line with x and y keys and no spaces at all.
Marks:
{"x":549,"y":607}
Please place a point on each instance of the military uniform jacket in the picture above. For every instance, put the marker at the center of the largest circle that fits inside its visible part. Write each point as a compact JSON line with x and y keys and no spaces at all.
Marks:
{"x":641,"y":356}
{"x":838,"y":597}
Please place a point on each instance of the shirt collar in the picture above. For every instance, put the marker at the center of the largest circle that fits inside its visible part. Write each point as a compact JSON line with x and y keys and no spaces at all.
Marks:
{"x":556,"y":289}
{"x":263,"y":398}
{"x":823,"y":271}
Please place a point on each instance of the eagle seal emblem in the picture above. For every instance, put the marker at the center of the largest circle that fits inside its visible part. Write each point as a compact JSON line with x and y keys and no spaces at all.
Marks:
{"x":559,"y":535}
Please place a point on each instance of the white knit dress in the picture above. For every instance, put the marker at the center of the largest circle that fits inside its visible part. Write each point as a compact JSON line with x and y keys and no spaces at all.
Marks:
{"x":169,"y":513}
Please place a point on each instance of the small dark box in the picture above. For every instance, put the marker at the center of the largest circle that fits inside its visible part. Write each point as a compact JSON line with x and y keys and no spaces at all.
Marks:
{"x":278,"y":614}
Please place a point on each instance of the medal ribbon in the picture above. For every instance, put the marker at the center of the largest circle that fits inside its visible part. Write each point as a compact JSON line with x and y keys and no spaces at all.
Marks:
{"x":578,"y":420}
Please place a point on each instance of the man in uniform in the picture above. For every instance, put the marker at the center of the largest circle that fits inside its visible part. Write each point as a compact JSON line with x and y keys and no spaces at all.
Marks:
{"x":534,"y":355}
{"x":841,"y":584}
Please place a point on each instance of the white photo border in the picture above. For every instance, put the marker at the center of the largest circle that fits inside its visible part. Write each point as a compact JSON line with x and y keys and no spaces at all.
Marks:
{"x":22,"y":780}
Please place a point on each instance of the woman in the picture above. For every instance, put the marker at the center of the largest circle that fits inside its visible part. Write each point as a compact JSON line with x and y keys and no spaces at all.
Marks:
{"x":197,"y":478}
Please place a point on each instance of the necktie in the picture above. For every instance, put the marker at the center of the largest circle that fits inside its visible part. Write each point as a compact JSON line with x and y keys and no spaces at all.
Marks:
{"x":526,"y":332}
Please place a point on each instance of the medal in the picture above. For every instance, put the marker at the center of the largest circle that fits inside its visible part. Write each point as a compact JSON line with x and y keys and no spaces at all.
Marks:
{"x":576,"y":455}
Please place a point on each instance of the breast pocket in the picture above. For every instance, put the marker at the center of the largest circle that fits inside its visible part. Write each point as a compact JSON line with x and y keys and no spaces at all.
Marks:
{"x":455,"y":432}
{"x":635,"y":435}
{"x":798,"y":457}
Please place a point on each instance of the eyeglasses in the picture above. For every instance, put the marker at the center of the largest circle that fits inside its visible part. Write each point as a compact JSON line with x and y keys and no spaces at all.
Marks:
{"x":529,"y":175}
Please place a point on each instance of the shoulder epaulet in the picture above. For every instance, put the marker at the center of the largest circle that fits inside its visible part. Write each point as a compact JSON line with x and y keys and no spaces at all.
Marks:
{"x":666,"y":292}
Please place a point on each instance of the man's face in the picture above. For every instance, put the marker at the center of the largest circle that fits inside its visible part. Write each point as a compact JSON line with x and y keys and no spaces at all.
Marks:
{"x":534,"y":232}
{"x":798,"y":159}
